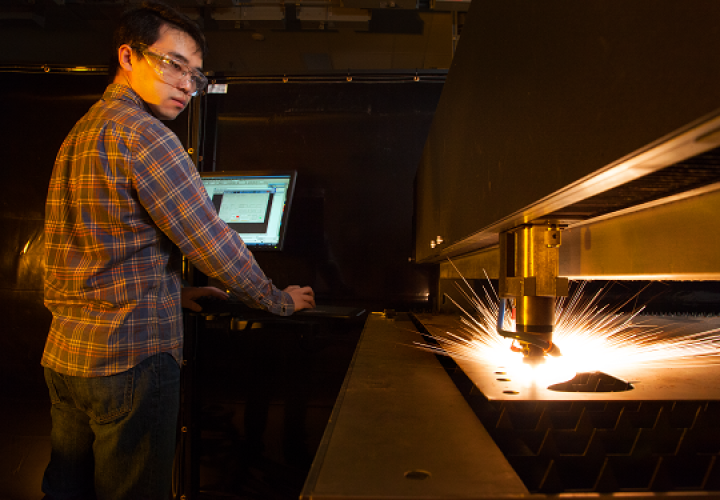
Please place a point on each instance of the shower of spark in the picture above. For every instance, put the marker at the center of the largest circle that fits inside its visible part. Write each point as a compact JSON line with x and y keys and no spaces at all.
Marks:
{"x":591,"y":336}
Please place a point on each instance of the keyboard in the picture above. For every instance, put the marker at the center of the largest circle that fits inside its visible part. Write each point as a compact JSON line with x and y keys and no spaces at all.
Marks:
{"x":236,"y":307}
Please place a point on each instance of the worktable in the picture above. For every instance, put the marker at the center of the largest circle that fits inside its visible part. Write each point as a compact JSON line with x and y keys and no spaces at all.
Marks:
{"x":401,"y":429}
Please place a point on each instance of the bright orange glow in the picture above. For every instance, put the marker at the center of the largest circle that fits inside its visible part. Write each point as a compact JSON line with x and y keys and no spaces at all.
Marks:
{"x":591,"y":337}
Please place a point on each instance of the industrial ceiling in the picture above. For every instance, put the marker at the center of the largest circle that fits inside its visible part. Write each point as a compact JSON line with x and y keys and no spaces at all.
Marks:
{"x":253,"y":37}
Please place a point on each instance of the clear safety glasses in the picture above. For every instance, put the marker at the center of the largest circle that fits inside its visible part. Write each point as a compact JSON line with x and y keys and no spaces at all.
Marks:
{"x":172,"y":71}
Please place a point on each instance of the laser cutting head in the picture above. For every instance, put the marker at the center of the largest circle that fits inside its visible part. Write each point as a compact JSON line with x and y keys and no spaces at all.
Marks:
{"x":535,"y":316}
{"x":529,"y":269}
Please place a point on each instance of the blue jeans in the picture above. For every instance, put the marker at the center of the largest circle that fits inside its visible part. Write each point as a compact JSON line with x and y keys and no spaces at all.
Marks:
{"x":114,"y":437}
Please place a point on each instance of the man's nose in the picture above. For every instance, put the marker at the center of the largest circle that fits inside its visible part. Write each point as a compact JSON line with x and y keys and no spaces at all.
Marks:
{"x":186,"y":84}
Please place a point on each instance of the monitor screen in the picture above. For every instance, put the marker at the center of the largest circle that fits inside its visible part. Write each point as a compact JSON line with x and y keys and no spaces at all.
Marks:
{"x":255,"y":204}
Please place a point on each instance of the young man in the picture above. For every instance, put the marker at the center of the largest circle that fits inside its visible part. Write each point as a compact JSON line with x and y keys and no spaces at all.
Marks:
{"x":123,"y":198}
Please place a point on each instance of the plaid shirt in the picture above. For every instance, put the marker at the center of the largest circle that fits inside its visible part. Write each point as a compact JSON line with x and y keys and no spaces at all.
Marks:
{"x":124,"y":196}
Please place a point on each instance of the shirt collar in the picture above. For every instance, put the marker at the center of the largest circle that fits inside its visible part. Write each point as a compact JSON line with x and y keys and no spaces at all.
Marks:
{"x":120,"y":92}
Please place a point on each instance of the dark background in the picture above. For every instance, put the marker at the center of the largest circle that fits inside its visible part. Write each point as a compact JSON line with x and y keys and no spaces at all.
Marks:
{"x":355,"y":147}
{"x":268,"y":391}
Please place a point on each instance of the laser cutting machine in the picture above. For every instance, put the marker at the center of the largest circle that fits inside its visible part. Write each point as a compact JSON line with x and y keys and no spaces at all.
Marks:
{"x":573,"y":141}
{"x":590,"y":125}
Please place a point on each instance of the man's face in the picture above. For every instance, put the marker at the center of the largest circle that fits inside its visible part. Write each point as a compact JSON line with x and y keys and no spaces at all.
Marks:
{"x":166,"y":100}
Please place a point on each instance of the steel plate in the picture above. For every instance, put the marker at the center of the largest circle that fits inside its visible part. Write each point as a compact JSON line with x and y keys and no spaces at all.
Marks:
{"x":694,"y":382}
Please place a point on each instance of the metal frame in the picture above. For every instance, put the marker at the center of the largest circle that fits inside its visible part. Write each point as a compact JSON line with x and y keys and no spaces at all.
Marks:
{"x":675,"y":238}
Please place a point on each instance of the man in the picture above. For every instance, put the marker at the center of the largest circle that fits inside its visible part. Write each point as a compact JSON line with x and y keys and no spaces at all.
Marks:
{"x":123,"y":198}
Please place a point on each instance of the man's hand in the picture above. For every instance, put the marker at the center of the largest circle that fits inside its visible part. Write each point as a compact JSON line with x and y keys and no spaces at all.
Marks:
{"x":188,"y":295}
{"x":303,"y":297}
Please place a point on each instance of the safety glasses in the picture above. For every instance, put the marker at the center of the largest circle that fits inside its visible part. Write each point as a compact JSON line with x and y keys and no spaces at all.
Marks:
{"x":172,"y":71}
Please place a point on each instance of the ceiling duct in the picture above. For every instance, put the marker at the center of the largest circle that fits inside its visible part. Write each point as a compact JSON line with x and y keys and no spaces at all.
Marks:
{"x":252,"y":15}
{"x":14,"y":13}
{"x":314,"y":17}
{"x":450,"y":5}
{"x":381,"y":4}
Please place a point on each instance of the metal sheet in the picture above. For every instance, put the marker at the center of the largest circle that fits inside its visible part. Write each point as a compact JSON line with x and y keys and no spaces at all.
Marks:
{"x":701,"y":382}
{"x":399,"y":416}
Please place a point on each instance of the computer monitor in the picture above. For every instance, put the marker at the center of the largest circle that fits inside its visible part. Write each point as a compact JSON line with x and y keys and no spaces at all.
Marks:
{"x":256,"y":204}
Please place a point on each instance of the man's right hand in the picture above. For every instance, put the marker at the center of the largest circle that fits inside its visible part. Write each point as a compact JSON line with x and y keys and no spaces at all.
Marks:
{"x":303,"y":297}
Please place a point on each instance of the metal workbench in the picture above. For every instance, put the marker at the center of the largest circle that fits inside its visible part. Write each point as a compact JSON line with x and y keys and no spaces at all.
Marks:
{"x":401,"y":429}
{"x":408,"y":424}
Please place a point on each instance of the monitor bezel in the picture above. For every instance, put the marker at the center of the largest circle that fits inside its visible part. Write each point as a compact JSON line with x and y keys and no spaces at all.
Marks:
{"x":288,"y":201}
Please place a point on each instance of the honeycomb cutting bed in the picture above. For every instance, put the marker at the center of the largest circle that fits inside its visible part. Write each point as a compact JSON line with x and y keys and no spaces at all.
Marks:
{"x":662,"y":435}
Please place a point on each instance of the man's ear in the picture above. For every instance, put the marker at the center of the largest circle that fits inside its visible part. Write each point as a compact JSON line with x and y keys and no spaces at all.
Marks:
{"x":125,"y":57}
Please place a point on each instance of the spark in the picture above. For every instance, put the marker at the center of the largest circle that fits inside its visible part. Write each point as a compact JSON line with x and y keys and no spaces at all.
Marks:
{"x":591,"y":336}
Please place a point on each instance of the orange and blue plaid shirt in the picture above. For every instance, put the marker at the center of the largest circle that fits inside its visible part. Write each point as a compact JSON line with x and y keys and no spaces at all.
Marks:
{"x":124,"y":201}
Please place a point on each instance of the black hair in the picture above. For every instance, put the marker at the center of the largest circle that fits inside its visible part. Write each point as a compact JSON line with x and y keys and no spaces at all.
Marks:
{"x":141,"y":25}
